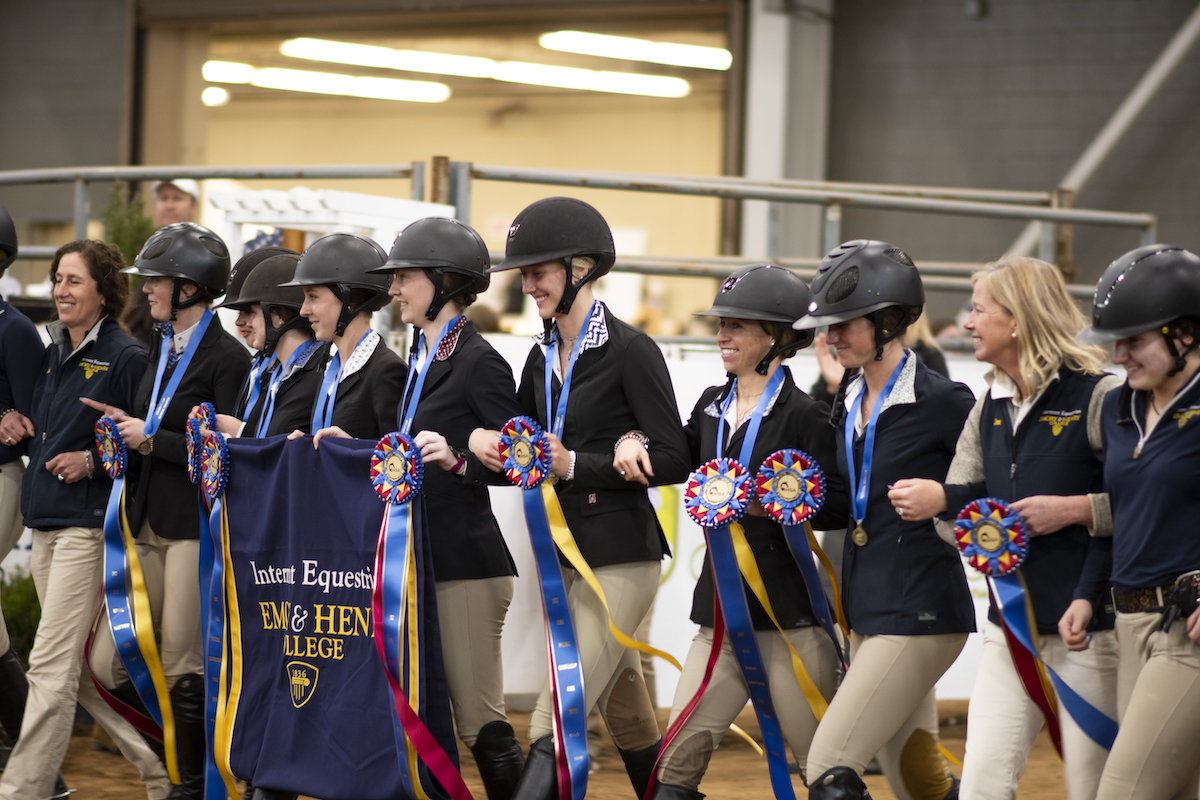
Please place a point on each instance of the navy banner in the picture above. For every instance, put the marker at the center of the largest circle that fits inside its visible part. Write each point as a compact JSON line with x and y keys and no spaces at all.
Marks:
{"x":313,"y":713}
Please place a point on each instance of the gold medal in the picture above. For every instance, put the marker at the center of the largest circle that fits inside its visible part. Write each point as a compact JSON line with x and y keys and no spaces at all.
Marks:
{"x":860,"y":535}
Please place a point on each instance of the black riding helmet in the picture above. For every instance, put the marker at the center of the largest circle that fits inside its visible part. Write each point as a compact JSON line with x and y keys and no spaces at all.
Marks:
{"x":859,"y":279}
{"x":185,"y":251}
{"x":8,"y":240}
{"x":242,"y":269}
{"x":441,"y":245}
{"x":1144,"y":289}
{"x":560,"y":228}
{"x":264,"y":285}
{"x":767,"y":293}
{"x":344,"y":262}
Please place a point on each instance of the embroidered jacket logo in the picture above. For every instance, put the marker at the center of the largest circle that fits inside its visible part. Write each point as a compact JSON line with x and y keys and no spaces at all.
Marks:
{"x":1060,"y":419}
{"x":91,"y":366}
{"x":302,"y":681}
{"x":1184,"y":414}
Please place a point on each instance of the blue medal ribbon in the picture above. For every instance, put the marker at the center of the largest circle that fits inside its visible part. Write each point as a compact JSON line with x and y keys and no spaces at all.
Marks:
{"x":159,"y":403}
{"x":323,"y":408}
{"x":398,"y":601}
{"x":212,"y":606}
{"x":860,"y":484}
{"x":277,"y":378}
{"x":416,"y":377}
{"x":123,"y":584}
{"x":730,"y":593}
{"x":525,"y":453}
{"x":992,"y":538}
{"x":559,"y":415}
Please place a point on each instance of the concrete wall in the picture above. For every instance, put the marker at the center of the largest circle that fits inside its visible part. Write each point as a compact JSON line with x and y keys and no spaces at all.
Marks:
{"x":64,"y":94}
{"x":923,"y":94}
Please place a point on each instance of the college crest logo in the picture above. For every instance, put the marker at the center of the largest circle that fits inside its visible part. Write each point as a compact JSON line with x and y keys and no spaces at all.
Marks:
{"x":1060,"y":419}
{"x":90,"y":368}
{"x":1184,"y":414}
{"x":302,"y":681}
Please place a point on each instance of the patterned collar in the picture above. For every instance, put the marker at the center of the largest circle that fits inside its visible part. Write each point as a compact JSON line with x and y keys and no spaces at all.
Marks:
{"x":450,"y":340}
{"x":307,"y":349}
{"x":595,"y":334}
{"x":903,"y":393}
{"x":362,"y":352}
{"x":714,"y":408}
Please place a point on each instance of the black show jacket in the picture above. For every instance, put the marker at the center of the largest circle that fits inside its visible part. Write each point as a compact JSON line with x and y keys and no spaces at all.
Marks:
{"x":294,"y":404}
{"x":161,"y":491}
{"x":619,"y":386}
{"x":906,"y":580}
{"x":473,"y":388}
{"x":365,"y":406}
{"x":795,"y":420}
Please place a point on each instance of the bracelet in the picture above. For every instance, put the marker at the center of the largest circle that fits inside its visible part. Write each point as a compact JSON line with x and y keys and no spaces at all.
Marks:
{"x":570,"y":476}
{"x":87,"y":461}
{"x":641,"y":437}
{"x":5,"y":413}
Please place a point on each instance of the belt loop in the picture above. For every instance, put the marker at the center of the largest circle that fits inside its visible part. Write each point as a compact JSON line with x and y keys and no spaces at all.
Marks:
{"x":1158,"y":592}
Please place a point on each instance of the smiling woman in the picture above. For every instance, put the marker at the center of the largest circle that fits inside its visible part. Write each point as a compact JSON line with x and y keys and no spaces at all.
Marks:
{"x":87,"y":286}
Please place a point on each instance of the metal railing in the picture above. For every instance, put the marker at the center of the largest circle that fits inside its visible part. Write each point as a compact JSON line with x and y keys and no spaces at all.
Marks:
{"x":451,"y":182}
{"x":832,"y":196}
{"x":83,"y":176}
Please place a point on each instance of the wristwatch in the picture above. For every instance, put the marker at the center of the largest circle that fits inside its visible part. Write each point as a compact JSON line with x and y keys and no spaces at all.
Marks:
{"x":146,"y":446}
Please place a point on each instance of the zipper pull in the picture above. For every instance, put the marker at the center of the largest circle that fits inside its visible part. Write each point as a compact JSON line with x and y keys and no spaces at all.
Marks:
{"x":1012,"y":472}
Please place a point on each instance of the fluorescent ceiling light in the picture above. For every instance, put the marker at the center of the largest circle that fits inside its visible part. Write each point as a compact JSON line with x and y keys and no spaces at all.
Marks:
{"x":591,"y":80}
{"x":598,"y":44}
{"x":227,"y":72}
{"x":475,"y":67}
{"x":214,"y":96}
{"x":297,"y":80}
{"x":365,"y":55}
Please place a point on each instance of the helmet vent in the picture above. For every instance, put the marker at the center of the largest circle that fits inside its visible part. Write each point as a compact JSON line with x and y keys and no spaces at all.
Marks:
{"x":156,"y":249}
{"x":843,"y":286}
{"x":899,"y":256}
{"x":214,"y":246}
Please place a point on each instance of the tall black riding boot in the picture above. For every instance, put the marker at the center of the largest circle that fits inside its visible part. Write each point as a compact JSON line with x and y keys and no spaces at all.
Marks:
{"x":539,"y":779}
{"x":13,"y":691}
{"x":639,"y":764}
{"x":670,"y":791}
{"x":187,"y":706}
{"x":499,"y":759}
{"x":838,"y":783}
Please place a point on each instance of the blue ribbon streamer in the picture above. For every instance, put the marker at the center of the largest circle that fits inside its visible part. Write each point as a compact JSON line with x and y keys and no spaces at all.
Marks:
{"x":861,"y":489}
{"x":277,"y":378}
{"x":323,"y":408}
{"x":212,"y":622}
{"x":416,"y":377}
{"x":1099,"y":727}
{"x":797,"y":539}
{"x":732,"y":597}
{"x":158,"y":405}
{"x":565,"y":670}
{"x":119,"y":603}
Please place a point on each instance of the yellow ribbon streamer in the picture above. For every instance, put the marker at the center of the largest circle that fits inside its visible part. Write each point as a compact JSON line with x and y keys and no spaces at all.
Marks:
{"x":833,"y":581}
{"x":561,"y":534}
{"x":410,"y":622}
{"x":230,"y":691}
{"x":143,"y":626}
{"x":749,"y":569}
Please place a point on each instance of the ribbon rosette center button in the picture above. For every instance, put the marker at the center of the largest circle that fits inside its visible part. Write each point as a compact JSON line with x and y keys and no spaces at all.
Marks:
{"x":394,"y":466}
{"x":718,"y":491}
{"x":989,"y":536}
{"x":522,"y":452}
{"x":788,"y":486}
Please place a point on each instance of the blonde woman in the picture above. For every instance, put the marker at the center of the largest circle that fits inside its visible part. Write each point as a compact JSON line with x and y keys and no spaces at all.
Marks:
{"x":1034,"y":439}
